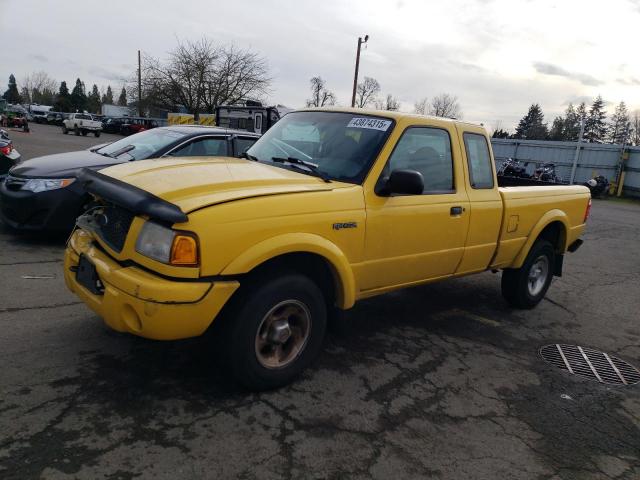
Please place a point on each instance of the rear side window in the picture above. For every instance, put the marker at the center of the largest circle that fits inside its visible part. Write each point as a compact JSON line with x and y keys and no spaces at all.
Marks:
{"x":479,"y":161}
{"x":203,"y":147}
{"x":428,"y":151}
{"x":243,"y":144}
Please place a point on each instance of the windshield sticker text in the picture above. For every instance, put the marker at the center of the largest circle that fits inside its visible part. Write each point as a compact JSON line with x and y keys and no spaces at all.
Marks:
{"x":372,"y":123}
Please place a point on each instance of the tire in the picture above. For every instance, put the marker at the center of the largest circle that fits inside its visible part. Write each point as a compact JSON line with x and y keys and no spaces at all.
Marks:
{"x":245,"y":333}
{"x":519,"y":288}
{"x":76,"y":130}
{"x":64,"y":130}
{"x":84,"y":133}
{"x":97,"y":134}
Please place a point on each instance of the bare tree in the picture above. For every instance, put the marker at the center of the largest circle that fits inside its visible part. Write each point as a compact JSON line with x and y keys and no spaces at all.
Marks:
{"x":445,"y":105}
{"x":390,"y":103}
{"x":320,"y":96}
{"x":201,"y":75}
{"x":39,"y":85}
{"x":366,"y":92}
{"x":236,"y":75}
{"x":420,"y":107}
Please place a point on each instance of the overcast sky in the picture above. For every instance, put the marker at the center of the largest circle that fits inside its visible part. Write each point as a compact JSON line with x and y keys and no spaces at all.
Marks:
{"x":497,"y":56}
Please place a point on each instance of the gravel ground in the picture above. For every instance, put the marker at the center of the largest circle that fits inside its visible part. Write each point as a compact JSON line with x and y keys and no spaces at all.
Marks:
{"x":441,"y":381}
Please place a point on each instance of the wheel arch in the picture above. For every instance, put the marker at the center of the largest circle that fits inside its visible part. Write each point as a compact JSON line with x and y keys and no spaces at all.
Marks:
{"x":309,"y":253}
{"x":553,"y":226}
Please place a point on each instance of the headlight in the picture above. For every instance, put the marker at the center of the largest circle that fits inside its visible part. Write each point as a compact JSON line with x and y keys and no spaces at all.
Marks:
{"x":167,"y":246}
{"x":36,"y":185}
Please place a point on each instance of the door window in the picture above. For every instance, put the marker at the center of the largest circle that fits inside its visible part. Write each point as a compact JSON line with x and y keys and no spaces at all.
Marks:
{"x":203,"y":147}
{"x":479,"y":161}
{"x":428,"y":151}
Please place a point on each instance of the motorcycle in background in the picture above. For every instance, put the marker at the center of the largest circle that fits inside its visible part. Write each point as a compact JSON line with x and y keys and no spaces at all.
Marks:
{"x":9,"y":156}
{"x":513,"y":168}
{"x":546,"y":173}
{"x":598,"y":186}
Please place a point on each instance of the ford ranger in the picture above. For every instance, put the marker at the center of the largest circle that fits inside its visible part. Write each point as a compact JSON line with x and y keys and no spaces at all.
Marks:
{"x":329,"y":207}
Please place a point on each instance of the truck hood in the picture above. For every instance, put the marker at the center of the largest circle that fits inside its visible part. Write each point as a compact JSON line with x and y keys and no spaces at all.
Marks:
{"x":193,"y":183}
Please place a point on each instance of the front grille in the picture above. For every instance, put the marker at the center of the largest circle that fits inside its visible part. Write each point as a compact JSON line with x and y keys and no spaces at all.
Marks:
{"x":14,"y":183}
{"x":114,"y":226}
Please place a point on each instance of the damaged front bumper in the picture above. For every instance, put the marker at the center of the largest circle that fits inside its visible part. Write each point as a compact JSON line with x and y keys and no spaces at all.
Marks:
{"x":131,"y":299}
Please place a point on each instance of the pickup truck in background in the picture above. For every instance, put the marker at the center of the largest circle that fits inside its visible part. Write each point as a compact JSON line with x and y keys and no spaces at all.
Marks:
{"x":81,"y":123}
{"x":329,"y":207}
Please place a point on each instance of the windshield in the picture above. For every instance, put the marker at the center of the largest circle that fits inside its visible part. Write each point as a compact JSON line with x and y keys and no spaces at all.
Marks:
{"x":145,"y":144}
{"x":342,"y":145}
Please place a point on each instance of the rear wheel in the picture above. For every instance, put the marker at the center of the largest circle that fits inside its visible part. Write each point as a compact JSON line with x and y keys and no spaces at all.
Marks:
{"x":76,"y":130}
{"x":274,"y":331}
{"x":526,"y":286}
{"x":97,"y":134}
{"x":64,"y":130}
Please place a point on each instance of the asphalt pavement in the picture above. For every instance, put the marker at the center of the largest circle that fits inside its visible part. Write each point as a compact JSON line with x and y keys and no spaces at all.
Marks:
{"x":441,"y":381}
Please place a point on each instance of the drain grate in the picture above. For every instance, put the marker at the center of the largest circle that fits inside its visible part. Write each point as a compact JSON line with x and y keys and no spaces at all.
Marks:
{"x":590,"y":363}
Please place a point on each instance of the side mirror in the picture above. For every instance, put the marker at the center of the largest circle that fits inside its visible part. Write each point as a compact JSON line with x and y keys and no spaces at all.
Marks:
{"x":404,"y":182}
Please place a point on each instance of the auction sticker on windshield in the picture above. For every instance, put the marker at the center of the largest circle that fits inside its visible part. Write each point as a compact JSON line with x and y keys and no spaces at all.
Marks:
{"x":372,"y":123}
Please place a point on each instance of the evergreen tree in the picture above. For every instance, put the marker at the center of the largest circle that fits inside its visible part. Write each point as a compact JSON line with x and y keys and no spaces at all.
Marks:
{"x":532,"y":126}
{"x":93,"y":100}
{"x":620,"y":125}
{"x":571,"y":124}
{"x":12,"y":95}
{"x":79,"y":97}
{"x":36,"y":97}
{"x":25,"y":96}
{"x":122,"y":99}
{"x":557,"y":129}
{"x":63,"y":99}
{"x":46,"y":97}
{"x":595,"y":128}
{"x":107,"y":98}
{"x":500,"y":133}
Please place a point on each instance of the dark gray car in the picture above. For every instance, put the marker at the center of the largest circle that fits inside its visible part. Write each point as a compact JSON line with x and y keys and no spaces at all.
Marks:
{"x":41,"y":193}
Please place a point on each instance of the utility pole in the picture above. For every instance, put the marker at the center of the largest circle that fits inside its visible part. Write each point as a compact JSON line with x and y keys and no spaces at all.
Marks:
{"x":355,"y":77}
{"x":577,"y":155}
{"x":139,"y":85}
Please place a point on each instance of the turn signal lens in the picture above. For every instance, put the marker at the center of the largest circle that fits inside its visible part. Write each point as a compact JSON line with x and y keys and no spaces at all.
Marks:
{"x":184,"y":251}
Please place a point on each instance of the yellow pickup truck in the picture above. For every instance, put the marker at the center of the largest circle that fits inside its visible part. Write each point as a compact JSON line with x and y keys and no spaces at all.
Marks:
{"x":329,"y":207}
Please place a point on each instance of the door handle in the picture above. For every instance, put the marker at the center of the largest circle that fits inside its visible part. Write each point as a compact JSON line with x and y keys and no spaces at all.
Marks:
{"x":456,"y":211}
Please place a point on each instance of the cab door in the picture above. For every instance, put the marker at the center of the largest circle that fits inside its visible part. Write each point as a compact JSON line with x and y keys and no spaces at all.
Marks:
{"x":485,"y":213}
{"x":412,"y":238}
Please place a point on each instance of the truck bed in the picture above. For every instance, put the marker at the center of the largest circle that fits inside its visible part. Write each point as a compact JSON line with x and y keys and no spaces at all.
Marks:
{"x":527,"y":207}
{"x":508,"y":181}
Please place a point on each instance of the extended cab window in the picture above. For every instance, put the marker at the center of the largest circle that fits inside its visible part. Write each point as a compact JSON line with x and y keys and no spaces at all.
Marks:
{"x":479,"y":161}
{"x":428,"y":151}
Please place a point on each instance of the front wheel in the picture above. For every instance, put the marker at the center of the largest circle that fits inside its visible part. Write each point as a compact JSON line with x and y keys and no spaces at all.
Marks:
{"x":65,"y":130}
{"x":275,"y":331}
{"x":97,"y":134}
{"x":526,"y":286}
{"x":76,"y":131}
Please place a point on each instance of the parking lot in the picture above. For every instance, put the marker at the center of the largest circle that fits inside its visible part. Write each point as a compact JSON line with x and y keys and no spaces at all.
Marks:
{"x":440,"y":381}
